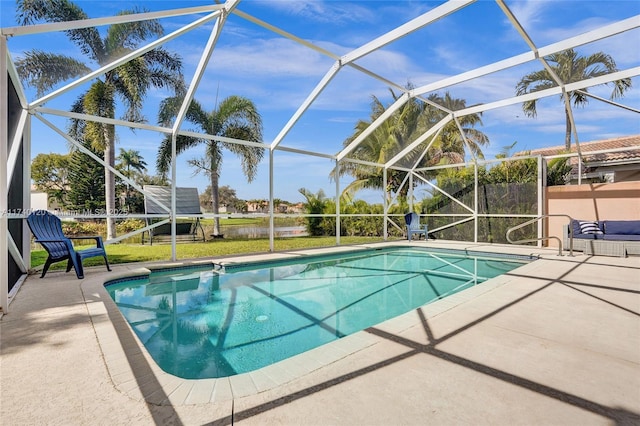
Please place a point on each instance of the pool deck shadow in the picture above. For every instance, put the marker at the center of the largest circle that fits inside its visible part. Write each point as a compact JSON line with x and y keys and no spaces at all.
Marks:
{"x":556,"y":341}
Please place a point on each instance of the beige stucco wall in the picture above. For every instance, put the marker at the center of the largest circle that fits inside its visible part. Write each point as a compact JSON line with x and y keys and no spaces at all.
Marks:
{"x":598,"y":201}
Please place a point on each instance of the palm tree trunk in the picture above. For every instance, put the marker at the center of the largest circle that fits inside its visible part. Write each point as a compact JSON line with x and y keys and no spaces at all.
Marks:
{"x":126,"y":194}
{"x":567,"y":135}
{"x":110,"y":187}
{"x":215,"y":201}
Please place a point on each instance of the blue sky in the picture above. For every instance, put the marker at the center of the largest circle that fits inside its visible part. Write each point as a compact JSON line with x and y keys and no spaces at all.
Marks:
{"x":278,"y":74}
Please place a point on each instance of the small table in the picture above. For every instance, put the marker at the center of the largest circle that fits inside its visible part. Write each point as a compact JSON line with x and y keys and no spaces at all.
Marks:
{"x":605,"y":248}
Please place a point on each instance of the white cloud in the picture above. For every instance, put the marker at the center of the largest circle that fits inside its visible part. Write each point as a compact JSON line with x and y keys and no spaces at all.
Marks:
{"x":619,"y":48}
{"x":270,"y":57}
{"x":324,"y":11}
{"x":529,"y":12}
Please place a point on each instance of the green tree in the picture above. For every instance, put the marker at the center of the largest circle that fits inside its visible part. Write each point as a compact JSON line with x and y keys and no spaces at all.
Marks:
{"x":508,"y":188}
{"x":236,"y":117}
{"x":130,"y":162}
{"x":226,"y":194}
{"x":515,"y":171}
{"x":315,"y":204}
{"x":86,"y":181}
{"x":240,"y":206}
{"x":50,"y":173}
{"x":259,"y":204}
{"x":569,"y":67}
{"x":451,"y":145}
{"x":558,"y":171}
{"x":159,"y":180}
{"x":355,"y":225}
{"x":410,"y":121}
{"x":128,"y":83}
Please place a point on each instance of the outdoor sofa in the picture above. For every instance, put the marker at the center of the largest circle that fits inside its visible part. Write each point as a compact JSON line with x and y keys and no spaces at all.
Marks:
{"x":605,"y":237}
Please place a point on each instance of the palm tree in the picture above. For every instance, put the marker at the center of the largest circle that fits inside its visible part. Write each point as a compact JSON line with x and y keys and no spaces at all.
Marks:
{"x":130,"y":161}
{"x":127,"y":83}
{"x":451,"y":145}
{"x":570,"y":67}
{"x":402,"y":128}
{"x":236,"y":117}
{"x":316,"y":204}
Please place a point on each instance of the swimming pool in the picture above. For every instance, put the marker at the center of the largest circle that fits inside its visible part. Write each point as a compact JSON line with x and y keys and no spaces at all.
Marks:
{"x":224,"y":320}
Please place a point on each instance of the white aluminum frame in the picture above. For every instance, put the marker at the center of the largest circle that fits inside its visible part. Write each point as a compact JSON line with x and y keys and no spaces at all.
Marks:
{"x":220,"y":12}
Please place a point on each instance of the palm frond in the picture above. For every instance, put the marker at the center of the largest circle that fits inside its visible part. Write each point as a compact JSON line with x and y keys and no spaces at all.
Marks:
{"x":237,"y":112}
{"x":162,"y":59}
{"x":170,"y":107}
{"x":130,"y":34}
{"x":76,"y":127}
{"x":350,"y":191}
{"x":44,"y":70}
{"x":165,"y":71}
{"x":163,"y":159}
{"x":87,"y":39}
{"x":100,"y":101}
{"x":196,"y":114}
{"x":250,"y":157}
{"x":131,"y":81}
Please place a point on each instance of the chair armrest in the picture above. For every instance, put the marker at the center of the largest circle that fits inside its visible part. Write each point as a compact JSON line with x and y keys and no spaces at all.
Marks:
{"x":97,"y":238}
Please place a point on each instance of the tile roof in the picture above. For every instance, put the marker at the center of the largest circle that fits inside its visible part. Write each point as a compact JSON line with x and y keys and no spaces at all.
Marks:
{"x":602,"y":145}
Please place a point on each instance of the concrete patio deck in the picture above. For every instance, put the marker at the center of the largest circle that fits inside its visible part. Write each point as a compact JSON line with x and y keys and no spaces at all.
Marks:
{"x":556,"y":341}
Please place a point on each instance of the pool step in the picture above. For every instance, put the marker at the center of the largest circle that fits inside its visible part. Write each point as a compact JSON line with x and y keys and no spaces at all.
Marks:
{"x":182,"y":282}
{"x":177,"y":276}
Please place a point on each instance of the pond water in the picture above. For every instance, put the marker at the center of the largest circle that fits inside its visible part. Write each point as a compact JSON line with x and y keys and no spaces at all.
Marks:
{"x":263,"y":232}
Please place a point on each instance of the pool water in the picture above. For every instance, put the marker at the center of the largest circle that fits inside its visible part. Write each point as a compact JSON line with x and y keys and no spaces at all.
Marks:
{"x":235,"y":319}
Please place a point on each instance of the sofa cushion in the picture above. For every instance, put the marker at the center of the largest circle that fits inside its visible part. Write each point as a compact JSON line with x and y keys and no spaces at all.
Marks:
{"x":622,"y":227}
{"x":589,"y":227}
{"x":575,"y":227}
{"x":620,"y":237}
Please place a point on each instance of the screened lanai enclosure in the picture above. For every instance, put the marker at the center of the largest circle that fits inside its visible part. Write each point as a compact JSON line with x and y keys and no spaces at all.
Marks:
{"x":411,"y":106}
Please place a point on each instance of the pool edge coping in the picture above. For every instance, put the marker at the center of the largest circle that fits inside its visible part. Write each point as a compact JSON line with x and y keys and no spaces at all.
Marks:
{"x":158,"y":387}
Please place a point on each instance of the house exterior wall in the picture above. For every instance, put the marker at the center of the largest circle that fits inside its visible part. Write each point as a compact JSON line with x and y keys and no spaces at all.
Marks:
{"x":627,"y":175}
{"x":596,"y":201}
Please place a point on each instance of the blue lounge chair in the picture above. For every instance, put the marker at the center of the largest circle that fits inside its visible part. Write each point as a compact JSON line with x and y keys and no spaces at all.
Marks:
{"x":414,"y":227}
{"x":47,"y":230}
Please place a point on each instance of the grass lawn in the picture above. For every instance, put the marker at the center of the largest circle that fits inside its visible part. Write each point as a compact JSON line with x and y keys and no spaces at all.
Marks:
{"x":131,"y":253}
